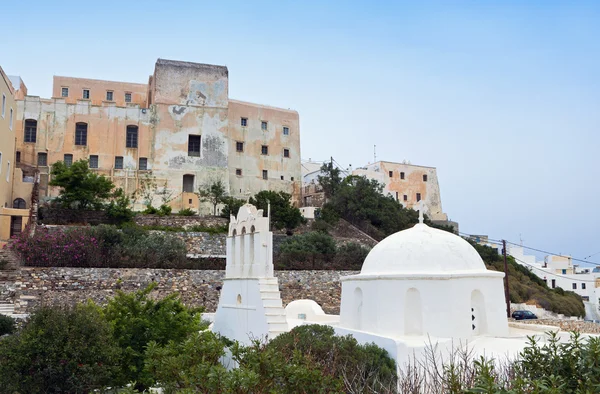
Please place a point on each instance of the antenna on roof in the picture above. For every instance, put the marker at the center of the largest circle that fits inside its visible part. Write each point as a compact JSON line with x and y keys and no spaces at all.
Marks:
{"x":374,"y":153}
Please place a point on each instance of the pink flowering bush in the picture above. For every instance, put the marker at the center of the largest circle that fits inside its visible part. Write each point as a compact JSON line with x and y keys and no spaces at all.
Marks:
{"x":100,"y":246}
{"x":70,"y":248}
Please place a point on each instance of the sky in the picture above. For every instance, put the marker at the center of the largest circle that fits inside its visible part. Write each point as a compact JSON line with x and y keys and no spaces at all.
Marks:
{"x":502,"y":97}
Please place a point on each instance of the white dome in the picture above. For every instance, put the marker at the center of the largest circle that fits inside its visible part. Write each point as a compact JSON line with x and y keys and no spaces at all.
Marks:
{"x":423,"y":250}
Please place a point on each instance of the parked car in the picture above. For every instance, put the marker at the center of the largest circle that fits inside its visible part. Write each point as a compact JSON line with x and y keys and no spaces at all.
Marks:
{"x":523,"y":315}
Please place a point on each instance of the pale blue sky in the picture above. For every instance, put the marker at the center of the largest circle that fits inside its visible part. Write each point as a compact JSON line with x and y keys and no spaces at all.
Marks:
{"x":503,"y":97}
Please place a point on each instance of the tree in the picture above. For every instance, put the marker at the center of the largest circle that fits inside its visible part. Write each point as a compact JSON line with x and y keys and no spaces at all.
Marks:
{"x":213,"y":193}
{"x":138,"y":320}
{"x":331,"y":179}
{"x":361,"y":202}
{"x":60,"y":349}
{"x":231,"y":206}
{"x":80,"y":187}
{"x":283,"y":213}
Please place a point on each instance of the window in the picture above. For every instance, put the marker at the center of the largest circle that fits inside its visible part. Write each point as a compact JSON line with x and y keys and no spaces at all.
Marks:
{"x":8,"y":171}
{"x":244,"y":122}
{"x":281,"y":177}
{"x":286,"y":153}
{"x":188,"y":183}
{"x":396,"y":196}
{"x":81,"y":134}
{"x":109,"y":95}
{"x":424,"y":177}
{"x":405,"y":197}
{"x":264,"y":150}
{"x":263,"y":126}
{"x":118,"y":162}
{"x":194,"y":145}
{"x":265,"y":174}
{"x":42,"y":159}
{"x":86,"y":94}
{"x":418,"y":197}
{"x":583,"y":286}
{"x":286,"y":130}
{"x":239,"y":146}
{"x":19,"y":203}
{"x":131,"y":137}
{"x":553,"y":283}
{"x":30,"y":130}
{"x":292,"y":179}
{"x":3,"y":105}
{"x":143,"y":165}
{"x":18,"y":157}
{"x":238,"y":171}
{"x":64,"y":92}
{"x":574,"y":286}
{"x":390,"y":173}
{"x":401,"y":175}
{"x":564,"y":272}
{"x":68,"y":159}
{"x":10,"y":119}
{"x":127,"y":97}
{"x":93,"y":161}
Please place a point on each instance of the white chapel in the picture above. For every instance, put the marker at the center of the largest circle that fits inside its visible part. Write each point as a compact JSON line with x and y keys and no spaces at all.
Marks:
{"x":417,"y":287}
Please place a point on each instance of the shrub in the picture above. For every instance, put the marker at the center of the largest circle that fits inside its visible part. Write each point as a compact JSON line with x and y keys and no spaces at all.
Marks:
{"x":7,"y":325}
{"x":193,"y":366}
{"x":60,"y":350}
{"x":186,"y":212}
{"x":351,"y":256}
{"x":118,"y":209}
{"x":363,"y":368}
{"x":70,"y":248}
{"x":101,"y":246}
{"x":307,"y":251}
{"x":138,"y":320}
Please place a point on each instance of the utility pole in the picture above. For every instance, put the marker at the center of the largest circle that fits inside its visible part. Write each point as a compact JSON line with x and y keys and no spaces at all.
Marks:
{"x":506,"y":290}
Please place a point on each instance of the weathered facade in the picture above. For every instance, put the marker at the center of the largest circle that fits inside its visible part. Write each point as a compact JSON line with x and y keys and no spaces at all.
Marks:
{"x":408,"y":184}
{"x":180,"y":132}
{"x":15,"y":188}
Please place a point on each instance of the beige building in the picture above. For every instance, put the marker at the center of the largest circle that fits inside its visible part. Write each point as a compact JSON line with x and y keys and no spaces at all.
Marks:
{"x":181,"y":131}
{"x":408,"y":184}
{"x":15,"y":188}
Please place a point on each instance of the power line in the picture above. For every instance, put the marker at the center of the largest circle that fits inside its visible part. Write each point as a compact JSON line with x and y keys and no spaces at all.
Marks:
{"x":553,"y":274}
{"x":499,"y":242}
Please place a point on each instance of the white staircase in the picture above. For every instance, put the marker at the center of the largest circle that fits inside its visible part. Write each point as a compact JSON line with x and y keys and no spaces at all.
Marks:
{"x":274,"y":311}
{"x":7,"y":309}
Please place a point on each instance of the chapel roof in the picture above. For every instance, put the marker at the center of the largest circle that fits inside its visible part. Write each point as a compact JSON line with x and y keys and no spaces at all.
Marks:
{"x":422,"y":250}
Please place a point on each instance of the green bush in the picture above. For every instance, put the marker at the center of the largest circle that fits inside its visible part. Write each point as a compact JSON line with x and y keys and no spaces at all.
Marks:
{"x":186,"y":212}
{"x":368,"y":367}
{"x":138,"y":319}
{"x":312,"y":250}
{"x":67,"y":350}
{"x":163,"y":210}
{"x":7,"y":325}
{"x":351,"y":256}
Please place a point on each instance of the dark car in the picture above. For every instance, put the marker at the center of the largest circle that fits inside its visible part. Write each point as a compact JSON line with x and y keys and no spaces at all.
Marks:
{"x":523,"y":315}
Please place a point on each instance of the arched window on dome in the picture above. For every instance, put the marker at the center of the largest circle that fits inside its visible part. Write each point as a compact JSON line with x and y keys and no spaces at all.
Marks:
{"x":413,"y":313}
{"x":478,"y":318}
{"x":358,"y":308}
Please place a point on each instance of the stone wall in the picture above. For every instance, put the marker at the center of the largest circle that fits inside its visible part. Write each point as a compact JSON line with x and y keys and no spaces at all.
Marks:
{"x":204,"y":244}
{"x":30,"y":287}
{"x":180,"y":221}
